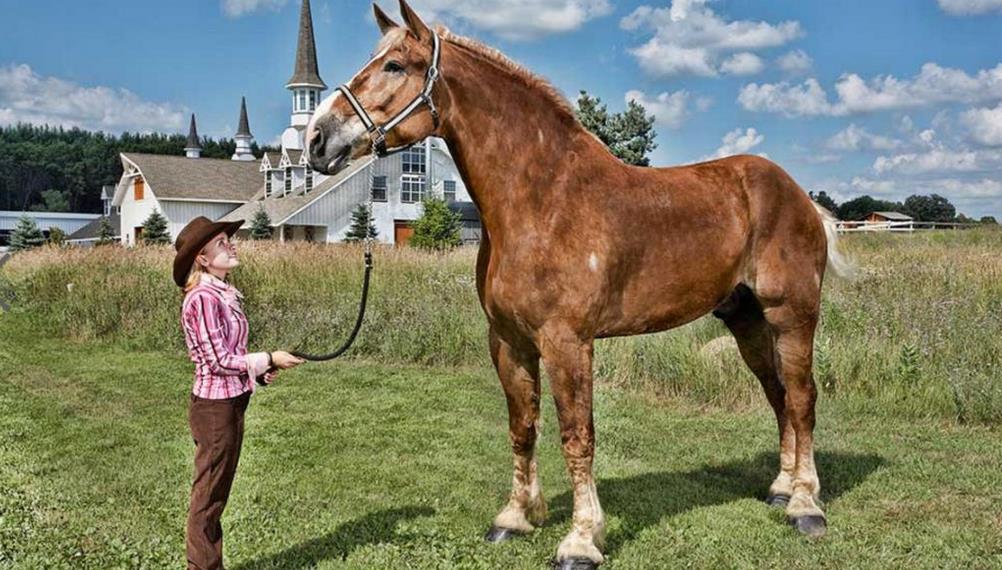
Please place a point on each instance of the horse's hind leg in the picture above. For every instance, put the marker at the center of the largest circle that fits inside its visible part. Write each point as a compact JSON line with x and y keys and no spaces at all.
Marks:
{"x":518,"y":368}
{"x":743,"y":316}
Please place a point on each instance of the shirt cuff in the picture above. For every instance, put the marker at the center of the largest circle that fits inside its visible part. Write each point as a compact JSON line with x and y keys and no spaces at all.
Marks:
{"x":257,"y":364}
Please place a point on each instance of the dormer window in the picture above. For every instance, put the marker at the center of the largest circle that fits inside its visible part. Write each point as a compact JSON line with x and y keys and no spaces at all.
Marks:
{"x":288,"y":179}
{"x":313,"y":100}
{"x":267,"y":184}
{"x":309,"y":179}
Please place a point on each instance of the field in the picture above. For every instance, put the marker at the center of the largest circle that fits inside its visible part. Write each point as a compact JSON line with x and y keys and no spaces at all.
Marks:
{"x":398,"y":456}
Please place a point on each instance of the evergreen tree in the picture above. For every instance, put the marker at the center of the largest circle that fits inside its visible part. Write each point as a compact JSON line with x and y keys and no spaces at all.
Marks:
{"x":26,"y":234}
{"x":105,"y":233}
{"x":260,"y":225}
{"x":629,"y":135}
{"x":360,"y":218}
{"x":438,"y":227}
{"x":57,"y":237}
{"x":155,"y":229}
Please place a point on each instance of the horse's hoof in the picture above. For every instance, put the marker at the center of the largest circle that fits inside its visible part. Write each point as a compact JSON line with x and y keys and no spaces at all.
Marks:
{"x":574,"y":564}
{"x":497,"y":534}
{"x":777,"y":500}
{"x":813,"y":526}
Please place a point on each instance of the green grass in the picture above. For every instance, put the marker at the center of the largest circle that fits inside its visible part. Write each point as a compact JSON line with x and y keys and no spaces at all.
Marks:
{"x":361,"y":464}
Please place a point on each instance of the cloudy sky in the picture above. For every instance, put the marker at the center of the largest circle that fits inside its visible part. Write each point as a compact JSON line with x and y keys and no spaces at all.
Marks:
{"x":880,"y":97}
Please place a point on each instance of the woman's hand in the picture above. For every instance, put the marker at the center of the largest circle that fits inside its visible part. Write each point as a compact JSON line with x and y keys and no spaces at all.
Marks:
{"x":283,"y":360}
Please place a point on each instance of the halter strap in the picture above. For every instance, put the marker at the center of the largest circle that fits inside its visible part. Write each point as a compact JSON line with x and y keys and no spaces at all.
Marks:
{"x":378,"y":132}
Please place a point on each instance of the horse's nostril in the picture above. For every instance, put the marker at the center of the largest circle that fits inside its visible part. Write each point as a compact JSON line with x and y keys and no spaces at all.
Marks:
{"x":318,"y":143}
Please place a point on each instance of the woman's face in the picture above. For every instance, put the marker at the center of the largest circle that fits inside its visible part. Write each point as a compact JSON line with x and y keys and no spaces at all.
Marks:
{"x":219,"y":255}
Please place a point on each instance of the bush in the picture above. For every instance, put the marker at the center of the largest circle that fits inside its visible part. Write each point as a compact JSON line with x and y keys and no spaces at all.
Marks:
{"x":438,"y":228}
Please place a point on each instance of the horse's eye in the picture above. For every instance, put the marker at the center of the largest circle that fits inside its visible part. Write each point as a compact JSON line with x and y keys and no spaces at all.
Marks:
{"x":393,"y":67}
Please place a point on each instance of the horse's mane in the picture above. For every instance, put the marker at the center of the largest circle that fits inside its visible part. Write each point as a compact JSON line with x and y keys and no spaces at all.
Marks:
{"x":504,"y":62}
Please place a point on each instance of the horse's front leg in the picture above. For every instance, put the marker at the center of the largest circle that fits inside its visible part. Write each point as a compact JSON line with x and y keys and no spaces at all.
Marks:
{"x":518,"y":368}
{"x":568,"y":361}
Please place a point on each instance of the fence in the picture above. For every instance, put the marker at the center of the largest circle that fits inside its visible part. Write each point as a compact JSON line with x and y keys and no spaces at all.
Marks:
{"x":906,"y":226}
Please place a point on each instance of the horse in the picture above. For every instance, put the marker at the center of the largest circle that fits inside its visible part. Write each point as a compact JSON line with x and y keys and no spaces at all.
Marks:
{"x":578,"y":245}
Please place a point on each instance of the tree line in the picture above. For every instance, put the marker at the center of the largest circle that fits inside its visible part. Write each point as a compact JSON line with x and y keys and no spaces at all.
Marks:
{"x":54,"y":169}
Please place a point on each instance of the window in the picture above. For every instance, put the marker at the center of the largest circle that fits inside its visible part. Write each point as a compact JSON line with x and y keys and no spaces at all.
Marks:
{"x":449,"y":190}
{"x":313,"y":100}
{"x":302,"y":99}
{"x":138,"y":188}
{"x":267,"y":184}
{"x":309,"y":179}
{"x":288,"y":179}
{"x":378,"y":188}
{"x":414,"y":160}
{"x":411,"y":188}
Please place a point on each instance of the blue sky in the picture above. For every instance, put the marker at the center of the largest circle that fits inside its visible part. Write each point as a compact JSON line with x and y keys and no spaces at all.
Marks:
{"x":887,"y":97}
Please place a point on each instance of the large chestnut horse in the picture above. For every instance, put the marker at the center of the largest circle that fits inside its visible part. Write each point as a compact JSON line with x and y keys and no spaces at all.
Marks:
{"x":578,"y":245}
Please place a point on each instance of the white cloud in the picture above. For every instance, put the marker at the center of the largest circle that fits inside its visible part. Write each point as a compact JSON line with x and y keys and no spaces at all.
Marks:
{"x":970,"y":7}
{"x":933,"y":84}
{"x":688,"y":37}
{"x":519,"y":20}
{"x":985,"y":125}
{"x":669,"y":109}
{"x":795,"y":62}
{"x":743,"y":63}
{"x":28,"y":97}
{"x":738,"y":142}
{"x":857,"y":138}
{"x":237,"y":8}
{"x":939,"y":160}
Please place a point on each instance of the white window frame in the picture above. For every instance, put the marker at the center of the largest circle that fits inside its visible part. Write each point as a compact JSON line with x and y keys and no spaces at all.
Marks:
{"x":446,"y":191}
{"x":288,"y":179}
{"x":384,"y":187}
{"x":409,"y":196}
{"x":412,"y":158}
{"x":309,"y":180}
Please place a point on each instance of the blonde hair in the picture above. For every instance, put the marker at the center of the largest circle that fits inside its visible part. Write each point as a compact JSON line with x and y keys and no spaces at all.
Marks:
{"x":194,"y":277}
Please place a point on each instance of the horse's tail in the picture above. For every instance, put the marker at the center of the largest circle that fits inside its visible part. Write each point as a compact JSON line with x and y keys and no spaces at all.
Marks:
{"x":837,"y":261}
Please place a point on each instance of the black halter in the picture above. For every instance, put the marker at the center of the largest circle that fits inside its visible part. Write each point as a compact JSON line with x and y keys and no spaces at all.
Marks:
{"x":378,"y":132}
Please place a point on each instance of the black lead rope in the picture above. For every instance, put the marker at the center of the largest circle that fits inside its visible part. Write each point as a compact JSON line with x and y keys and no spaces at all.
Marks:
{"x":358,"y":321}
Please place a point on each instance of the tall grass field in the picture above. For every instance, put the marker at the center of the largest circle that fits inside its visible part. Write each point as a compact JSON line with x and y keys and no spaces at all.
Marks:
{"x":396,"y":456}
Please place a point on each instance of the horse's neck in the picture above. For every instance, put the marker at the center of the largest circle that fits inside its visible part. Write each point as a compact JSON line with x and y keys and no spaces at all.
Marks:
{"x":508,"y":139}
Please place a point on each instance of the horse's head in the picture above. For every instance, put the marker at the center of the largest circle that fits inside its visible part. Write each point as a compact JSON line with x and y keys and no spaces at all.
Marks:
{"x":383,"y":90}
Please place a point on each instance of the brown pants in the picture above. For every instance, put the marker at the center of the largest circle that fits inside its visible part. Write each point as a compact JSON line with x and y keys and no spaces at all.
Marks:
{"x":217,"y":426}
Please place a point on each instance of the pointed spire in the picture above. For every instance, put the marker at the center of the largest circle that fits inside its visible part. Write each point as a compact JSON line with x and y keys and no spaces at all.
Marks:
{"x":244,"y":128}
{"x":306,"y":73}
{"x":192,"y":142}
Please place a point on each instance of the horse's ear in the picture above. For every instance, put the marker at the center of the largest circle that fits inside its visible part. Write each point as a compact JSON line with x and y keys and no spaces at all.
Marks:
{"x":413,"y":21}
{"x":385,"y":23}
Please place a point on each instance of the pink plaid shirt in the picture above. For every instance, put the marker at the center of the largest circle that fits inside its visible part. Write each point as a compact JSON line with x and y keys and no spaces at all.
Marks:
{"x":215,"y":330}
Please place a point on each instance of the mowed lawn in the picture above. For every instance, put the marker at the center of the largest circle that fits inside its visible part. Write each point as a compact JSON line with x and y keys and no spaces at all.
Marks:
{"x":365,"y":465}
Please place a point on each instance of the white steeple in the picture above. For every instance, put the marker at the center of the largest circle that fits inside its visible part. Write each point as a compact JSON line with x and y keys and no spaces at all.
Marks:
{"x":243,"y":137}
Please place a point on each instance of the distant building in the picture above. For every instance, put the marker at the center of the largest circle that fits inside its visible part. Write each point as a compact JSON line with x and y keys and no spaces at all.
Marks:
{"x":302,"y":204}
{"x":888,"y":217}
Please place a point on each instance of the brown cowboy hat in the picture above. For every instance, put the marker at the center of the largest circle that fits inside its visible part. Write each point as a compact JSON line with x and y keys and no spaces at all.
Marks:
{"x":192,"y":239}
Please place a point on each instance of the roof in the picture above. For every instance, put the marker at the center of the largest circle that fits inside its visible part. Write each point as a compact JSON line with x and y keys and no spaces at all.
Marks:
{"x":280,"y":208}
{"x":192,"y":141}
{"x":294,"y":155}
{"x":894,"y":215}
{"x":274,"y":157}
{"x":244,"y":128}
{"x":93,"y":229}
{"x":178,"y":178}
{"x":467,"y":211}
{"x":306,"y":53}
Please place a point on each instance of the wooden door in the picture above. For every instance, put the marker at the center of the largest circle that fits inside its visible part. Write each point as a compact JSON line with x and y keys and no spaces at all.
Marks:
{"x":402,"y":232}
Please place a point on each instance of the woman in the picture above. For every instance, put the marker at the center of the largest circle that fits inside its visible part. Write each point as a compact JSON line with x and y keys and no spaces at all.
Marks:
{"x":215,"y":330}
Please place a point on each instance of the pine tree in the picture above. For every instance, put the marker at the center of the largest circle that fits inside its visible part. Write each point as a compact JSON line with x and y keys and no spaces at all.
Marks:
{"x":438,"y":227}
{"x":105,"y":233}
{"x":629,"y":135}
{"x":360,"y":218}
{"x":26,"y":234}
{"x":260,"y":225}
{"x":155,"y":229}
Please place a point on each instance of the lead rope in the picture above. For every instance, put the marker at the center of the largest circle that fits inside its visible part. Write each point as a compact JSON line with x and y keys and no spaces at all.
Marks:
{"x":365,"y":287}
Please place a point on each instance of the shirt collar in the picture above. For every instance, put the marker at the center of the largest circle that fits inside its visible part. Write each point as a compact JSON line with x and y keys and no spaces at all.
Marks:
{"x":217,"y":283}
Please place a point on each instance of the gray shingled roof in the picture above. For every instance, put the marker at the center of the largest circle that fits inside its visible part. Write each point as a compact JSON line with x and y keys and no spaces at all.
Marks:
{"x":274,"y":157}
{"x":244,"y":128}
{"x":93,"y":229}
{"x":294,"y":155}
{"x":279,"y":208}
{"x":894,"y":216}
{"x":177,"y":177}
{"x":306,"y":53}
{"x":192,"y":141}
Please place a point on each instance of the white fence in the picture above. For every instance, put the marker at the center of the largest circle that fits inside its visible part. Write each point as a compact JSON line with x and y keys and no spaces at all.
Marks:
{"x":908,"y":226}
